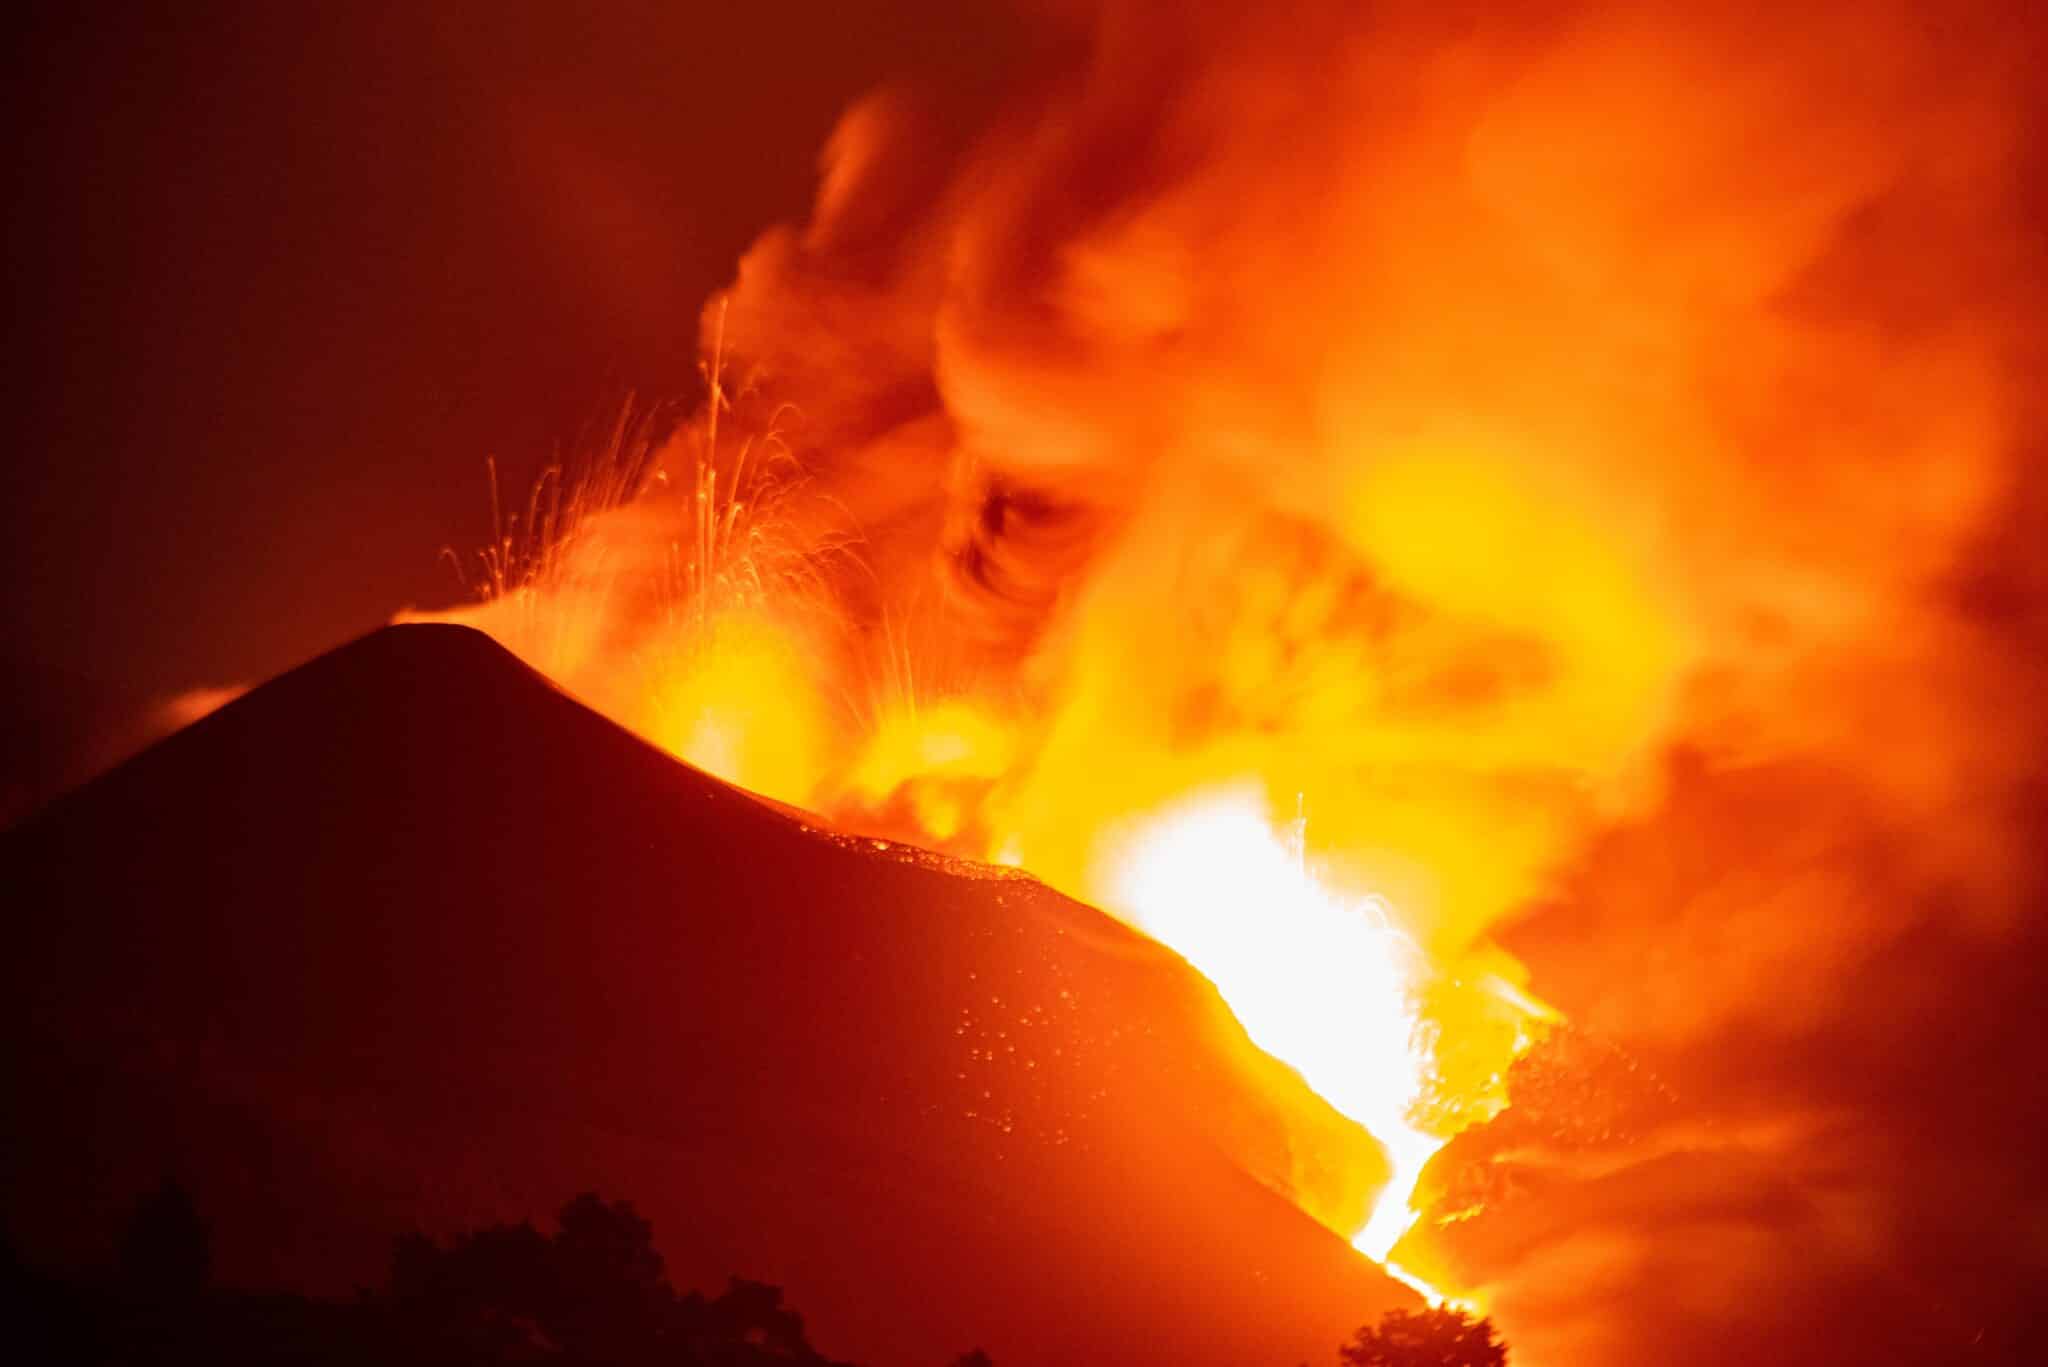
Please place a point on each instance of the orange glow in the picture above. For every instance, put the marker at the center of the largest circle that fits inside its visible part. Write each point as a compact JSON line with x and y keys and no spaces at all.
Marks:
{"x":727,"y":705}
{"x":1403,"y":1020}
{"x":938,"y":758}
{"x":1329,"y":985}
{"x":1525,"y":424}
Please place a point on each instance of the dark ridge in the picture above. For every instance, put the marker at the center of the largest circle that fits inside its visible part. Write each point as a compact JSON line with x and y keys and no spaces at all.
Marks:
{"x":409,"y":937}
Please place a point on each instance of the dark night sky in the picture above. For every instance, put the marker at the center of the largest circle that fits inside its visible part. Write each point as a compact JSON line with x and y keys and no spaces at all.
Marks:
{"x":283,"y":277}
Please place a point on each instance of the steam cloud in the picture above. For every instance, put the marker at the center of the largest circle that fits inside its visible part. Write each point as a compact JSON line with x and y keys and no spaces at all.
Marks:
{"x":1593,"y":454}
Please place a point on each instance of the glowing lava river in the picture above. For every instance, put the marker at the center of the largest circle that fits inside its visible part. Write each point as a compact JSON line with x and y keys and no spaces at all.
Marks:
{"x":1327,"y":984}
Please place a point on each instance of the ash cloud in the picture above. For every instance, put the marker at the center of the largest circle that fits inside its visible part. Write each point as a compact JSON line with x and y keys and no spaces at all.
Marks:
{"x":1741,"y":303}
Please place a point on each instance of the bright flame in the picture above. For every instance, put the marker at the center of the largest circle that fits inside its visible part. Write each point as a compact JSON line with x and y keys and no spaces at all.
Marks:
{"x":1325,"y":983}
{"x":729,"y":705}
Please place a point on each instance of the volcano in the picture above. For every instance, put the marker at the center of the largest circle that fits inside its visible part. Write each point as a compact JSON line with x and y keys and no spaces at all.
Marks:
{"x":409,"y":939}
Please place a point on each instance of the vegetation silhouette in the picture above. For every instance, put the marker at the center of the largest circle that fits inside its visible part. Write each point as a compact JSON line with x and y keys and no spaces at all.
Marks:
{"x":592,"y":1293}
{"x":1442,"y":1337}
{"x":166,"y":1250}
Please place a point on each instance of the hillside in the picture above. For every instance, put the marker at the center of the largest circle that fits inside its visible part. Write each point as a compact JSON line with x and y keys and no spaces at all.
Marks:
{"x":408,"y":938}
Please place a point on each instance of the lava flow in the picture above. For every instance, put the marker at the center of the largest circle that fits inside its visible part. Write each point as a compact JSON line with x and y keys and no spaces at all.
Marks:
{"x":1329,"y":985}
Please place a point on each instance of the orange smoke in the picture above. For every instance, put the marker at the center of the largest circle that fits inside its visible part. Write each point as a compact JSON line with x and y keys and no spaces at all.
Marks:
{"x":1441,"y":418}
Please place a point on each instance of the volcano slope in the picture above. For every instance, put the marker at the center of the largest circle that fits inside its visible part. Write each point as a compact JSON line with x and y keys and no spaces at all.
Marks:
{"x":409,"y":939}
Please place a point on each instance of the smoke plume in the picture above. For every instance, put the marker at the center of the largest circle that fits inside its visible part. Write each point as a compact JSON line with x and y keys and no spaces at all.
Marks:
{"x":1591,"y":455}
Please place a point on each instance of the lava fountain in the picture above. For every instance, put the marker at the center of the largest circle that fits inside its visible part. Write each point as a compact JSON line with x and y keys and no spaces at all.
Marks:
{"x":1327,"y":984}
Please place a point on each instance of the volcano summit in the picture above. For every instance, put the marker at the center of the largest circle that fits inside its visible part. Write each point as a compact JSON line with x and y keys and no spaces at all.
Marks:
{"x":409,"y":938}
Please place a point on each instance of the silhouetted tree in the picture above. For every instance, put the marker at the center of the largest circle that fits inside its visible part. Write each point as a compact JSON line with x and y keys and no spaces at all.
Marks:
{"x":1443,"y":1337}
{"x":593,"y":1292}
{"x":166,"y":1252}
{"x":750,"y":1317}
{"x":483,"y":1298}
{"x":609,"y":1293}
{"x":609,"y":1242}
